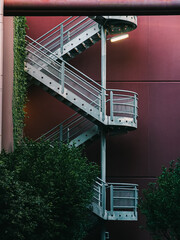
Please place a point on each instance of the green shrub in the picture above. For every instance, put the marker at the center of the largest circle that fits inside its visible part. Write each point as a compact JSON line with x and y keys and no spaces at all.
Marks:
{"x":44,"y":192}
{"x":161,"y":204}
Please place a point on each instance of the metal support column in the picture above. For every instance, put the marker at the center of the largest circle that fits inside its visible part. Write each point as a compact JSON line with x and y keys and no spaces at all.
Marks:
{"x":103,"y":156}
{"x":103,"y":85}
{"x":103,"y":135}
{"x":103,"y":71}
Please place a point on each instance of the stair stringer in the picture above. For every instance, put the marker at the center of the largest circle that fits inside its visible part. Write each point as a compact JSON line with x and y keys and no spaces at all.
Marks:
{"x":84,"y":137}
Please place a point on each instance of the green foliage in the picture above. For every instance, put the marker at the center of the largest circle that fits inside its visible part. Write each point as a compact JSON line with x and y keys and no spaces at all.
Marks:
{"x":161,"y":204}
{"x":44,"y":192}
{"x":20,"y":78}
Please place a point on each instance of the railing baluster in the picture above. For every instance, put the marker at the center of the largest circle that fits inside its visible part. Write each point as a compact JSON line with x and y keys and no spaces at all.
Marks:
{"x":103,"y":104}
{"x":61,"y":133}
{"x":61,"y":39}
{"x":111,"y":106}
{"x":68,"y":135}
{"x":62,"y":76}
{"x":111,"y":200}
{"x":99,"y":195}
{"x":103,"y":199}
{"x":135,"y":201}
{"x":99,"y":102}
{"x":135,"y":108}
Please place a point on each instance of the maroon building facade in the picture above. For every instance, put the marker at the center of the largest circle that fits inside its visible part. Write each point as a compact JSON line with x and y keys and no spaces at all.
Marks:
{"x":146,"y":63}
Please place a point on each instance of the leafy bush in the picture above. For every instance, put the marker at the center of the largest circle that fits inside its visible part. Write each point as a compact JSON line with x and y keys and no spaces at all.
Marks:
{"x":161,"y":204}
{"x":44,"y":192}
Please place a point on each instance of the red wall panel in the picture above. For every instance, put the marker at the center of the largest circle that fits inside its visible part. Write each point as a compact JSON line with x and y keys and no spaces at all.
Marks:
{"x":152,"y":53}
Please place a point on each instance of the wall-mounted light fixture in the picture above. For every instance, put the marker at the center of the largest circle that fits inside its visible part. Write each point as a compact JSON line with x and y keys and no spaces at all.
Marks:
{"x":119,"y":37}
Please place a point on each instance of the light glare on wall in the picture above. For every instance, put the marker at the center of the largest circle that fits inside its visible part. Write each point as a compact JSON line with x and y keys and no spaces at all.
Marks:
{"x":119,"y":37}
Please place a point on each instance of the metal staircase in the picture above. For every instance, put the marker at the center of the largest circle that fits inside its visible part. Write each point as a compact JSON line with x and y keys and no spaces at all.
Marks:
{"x":79,"y":91}
{"x":99,"y":110}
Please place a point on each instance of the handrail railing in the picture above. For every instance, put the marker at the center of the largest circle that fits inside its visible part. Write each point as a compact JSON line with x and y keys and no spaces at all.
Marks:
{"x":67,"y":130}
{"x":112,"y":197}
{"x":61,"y":34}
{"x":42,"y":49}
{"x":120,"y":103}
{"x":65,"y":74}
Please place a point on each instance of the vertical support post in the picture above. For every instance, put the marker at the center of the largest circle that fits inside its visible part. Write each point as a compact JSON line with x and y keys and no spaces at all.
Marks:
{"x":68,"y":135}
{"x":111,"y":106}
{"x":135,"y":108}
{"x":62,"y":76}
{"x":103,"y":71}
{"x":99,"y":102}
{"x":111,"y":200}
{"x":99,"y":196}
{"x":103,"y":136}
{"x":135,"y":202}
{"x":61,"y":39}
{"x":103,"y":198}
{"x":61,"y":133}
{"x":103,"y":156}
{"x":103,"y":169}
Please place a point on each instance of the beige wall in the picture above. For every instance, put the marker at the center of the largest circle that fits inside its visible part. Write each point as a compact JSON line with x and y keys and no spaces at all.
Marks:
{"x":7,"y":124}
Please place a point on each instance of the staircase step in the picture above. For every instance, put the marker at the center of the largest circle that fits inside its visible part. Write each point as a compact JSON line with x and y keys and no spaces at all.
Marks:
{"x":81,"y":47}
{"x":77,"y":50}
{"x":84,"y":45}
{"x":91,"y":40}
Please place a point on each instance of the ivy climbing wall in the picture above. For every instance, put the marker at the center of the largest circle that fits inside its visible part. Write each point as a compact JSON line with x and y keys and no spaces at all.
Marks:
{"x":20,"y":78}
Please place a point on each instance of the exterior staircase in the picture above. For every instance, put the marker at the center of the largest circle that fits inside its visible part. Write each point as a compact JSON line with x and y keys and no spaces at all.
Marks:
{"x":113,"y":110}
{"x":79,"y":91}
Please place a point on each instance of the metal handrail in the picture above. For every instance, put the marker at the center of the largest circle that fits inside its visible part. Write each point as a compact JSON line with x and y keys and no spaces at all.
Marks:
{"x":57,"y":66}
{"x":72,"y":25}
{"x":68,"y":71}
{"x":66,"y":63}
{"x":53,"y":29}
{"x":65,"y":123}
{"x":116,"y":193}
{"x":126,"y":91}
{"x":65,"y":37}
{"x":69,"y":126}
{"x":57,"y":26}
